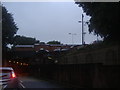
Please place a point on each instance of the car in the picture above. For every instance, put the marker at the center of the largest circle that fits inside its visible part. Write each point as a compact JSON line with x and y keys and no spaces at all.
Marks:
{"x":58,"y":49}
{"x":64,"y":49}
{"x":8,"y":78}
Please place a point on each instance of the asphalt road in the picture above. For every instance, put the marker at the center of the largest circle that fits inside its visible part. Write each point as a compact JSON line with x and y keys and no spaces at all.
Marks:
{"x":28,"y":82}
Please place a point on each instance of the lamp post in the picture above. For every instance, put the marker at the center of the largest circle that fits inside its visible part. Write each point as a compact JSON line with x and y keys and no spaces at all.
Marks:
{"x":83,"y":33}
{"x":72,"y":36}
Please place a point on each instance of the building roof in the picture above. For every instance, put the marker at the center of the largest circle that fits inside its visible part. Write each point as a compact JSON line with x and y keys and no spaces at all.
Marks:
{"x":52,"y":44}
{"x":25,"y":46}
{"x":6,"y":68}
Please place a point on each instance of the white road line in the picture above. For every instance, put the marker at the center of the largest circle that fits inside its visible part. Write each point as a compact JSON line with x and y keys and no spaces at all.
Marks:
{"x":22,"y":85}
{"x":21,"y":81}
{"x":4,"y":87}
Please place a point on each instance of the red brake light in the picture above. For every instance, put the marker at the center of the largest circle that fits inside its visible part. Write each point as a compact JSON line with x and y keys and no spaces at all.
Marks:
{"x":13,"y":75}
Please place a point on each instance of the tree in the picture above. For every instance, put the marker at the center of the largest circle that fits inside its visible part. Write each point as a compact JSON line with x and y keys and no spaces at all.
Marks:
{"x":42,"y":42}
{"x":22,"y":40}
{"x":54,"y":42}
{"x":104,"y":19}
{"x":9,"y":28}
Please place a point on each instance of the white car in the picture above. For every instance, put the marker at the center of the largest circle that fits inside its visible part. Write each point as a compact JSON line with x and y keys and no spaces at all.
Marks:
{"x":8,"y":78}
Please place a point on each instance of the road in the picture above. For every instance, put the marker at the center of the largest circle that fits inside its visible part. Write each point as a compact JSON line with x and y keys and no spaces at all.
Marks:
{"x":28,"y":82}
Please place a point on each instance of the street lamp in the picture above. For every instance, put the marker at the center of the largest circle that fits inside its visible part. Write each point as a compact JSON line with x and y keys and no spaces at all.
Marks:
{"x":83,"y":33}
{"x":72,"y":36}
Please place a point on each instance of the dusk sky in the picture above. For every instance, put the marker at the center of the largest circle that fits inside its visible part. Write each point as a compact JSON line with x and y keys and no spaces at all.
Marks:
{"x":47,"y":21}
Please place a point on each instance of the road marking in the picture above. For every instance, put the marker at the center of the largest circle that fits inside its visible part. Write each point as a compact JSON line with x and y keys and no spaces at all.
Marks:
{"x":22,"y":85}
{"x":4,"y":87}
{"x":21,"y":81}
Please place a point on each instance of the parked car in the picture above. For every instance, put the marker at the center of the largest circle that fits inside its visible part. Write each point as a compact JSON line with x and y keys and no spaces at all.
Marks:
{"x":8,"y":78}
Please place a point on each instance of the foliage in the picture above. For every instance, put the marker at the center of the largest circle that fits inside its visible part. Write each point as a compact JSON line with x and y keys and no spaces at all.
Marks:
{"x":42,"y":42}
{"x":54,"y":42}
{"x":9,"y":28}
{"x":22,"y":40}
{"x":104,"y":18}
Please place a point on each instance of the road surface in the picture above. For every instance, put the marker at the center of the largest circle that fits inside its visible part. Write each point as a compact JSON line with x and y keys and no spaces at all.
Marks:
{"x":27,"y":82}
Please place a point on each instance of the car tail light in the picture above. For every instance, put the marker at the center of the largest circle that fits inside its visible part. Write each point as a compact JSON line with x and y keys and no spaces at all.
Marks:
{"x":13,"y":75}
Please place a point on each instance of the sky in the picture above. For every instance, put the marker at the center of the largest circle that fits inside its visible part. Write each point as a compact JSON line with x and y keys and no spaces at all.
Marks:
{"x":48,"y":21}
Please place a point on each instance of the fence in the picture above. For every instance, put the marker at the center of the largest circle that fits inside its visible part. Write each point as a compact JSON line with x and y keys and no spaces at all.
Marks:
{"x":80,"y":75}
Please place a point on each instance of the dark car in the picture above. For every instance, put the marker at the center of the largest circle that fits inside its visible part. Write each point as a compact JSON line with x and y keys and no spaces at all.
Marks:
{"x":8,"y":78}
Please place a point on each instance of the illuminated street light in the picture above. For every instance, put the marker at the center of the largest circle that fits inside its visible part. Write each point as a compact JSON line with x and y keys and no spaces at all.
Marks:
{"x":56,"y":61}
{"x":21,"y":64}
{"x":49,"y":58}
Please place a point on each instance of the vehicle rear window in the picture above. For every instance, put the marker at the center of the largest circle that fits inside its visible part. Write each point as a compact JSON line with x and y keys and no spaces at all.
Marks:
{"x":5,"y":74}
{"x":6,"y":71}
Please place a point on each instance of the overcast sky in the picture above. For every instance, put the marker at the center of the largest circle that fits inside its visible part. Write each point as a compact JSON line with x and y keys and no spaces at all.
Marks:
{"x":47,"y":21}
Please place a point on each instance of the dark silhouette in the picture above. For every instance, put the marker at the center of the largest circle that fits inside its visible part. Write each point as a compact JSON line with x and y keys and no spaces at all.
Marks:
{"x":9,"y":29}
{"x":54,"y":42}
{"x":104,"y":19}
{"x":23,"y":40}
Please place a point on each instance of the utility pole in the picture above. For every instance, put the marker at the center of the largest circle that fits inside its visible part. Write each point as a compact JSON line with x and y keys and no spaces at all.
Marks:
{"x":82,"y":31}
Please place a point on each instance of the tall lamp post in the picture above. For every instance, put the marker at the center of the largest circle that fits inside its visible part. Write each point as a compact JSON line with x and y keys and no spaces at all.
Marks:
{"x":83,"y":33}
{"x":72,"y":36}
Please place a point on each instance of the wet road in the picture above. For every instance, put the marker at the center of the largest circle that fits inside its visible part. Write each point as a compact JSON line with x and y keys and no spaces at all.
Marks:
{"x":27,"y":82}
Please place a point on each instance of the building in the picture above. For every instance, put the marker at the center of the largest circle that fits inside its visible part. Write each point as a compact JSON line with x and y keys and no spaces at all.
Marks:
{"x":51,"y":47}
{"x":23,"y":53}
{"x":24,"y":48}
{"x":38,"y":53}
